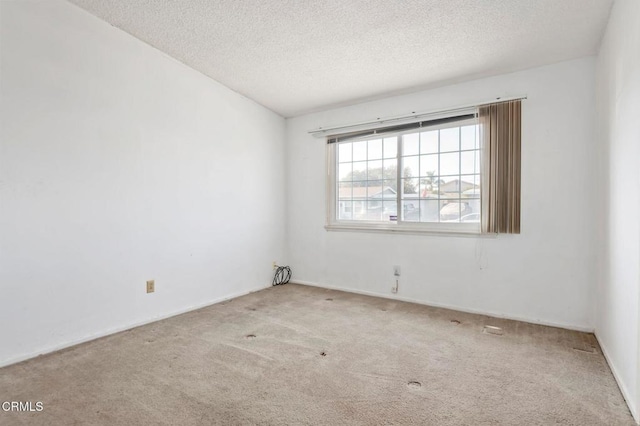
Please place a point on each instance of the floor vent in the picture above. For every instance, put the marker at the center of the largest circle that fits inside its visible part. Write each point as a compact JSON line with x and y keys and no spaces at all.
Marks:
{"x":587,"y":349}
{"x":489,"y":329}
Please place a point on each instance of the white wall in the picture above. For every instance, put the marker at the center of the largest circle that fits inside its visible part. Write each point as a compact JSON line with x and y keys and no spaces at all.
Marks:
{"x":546,"y":274}
{"x":117,"y":165}
{"x":618,"y":295}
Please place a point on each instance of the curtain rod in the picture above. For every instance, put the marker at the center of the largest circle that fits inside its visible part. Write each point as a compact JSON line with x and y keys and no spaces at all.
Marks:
{"x":323,"y":131}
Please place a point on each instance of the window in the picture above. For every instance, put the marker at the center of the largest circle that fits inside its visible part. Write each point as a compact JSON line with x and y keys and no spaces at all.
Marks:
{"x":423,"y":176}
{"x":454,"y":173}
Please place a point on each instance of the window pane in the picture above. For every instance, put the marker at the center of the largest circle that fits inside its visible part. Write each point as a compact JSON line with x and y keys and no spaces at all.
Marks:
{"x":390,"y":169}
{"x":410,"y":186}
{"x":449,"y":211}
{"x":449,"y":164}
{"x":359,"y":209}
{"x":345,"y":204}
{"x":450,"y":139}
{"x":374,"y":167}
{"x":468,"y":137}
{"x":411,"y":210}
{"x":389,"y":210}
{"x":477,"y":180}
{"x":429,"y":165}
{"x":465,"y":208}
{"x":344,"y":171}
{"x":429,"y":142}
{"x":344,"y":152}
{"x":449,"y":195}
{"x":470,"y":218}
{"x":423,"y":188}
{"x":468,"y":186}
{"x":468,"y":162}
{"x":375,"y":199}
{"x":429,"y":210}
{"x":374,"y":183}
{"x":360,"y":190}
{"x":375,"y":149}
{"x":345,"y":190}
{"x":390,"y":147}
{"x":374,"y":192}
{"x":374,"y":170}
{"x":359,"y":151}
{"x":472,"y":211}
{"x":360,"y":170}
{"x":411,"y":144}
{"x":455,"y":211}
{"x":428,"y":187}
{"x":345,"y":209}
{"x":374,"y":210}
{"x":411,"y":166}
{"x":450,"y":187}
{"x":389,"y":189}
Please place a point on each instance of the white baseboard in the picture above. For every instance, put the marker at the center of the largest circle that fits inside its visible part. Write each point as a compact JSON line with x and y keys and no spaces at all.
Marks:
{"x":623,"y":388}
{"x":452,"y":307}
{"x":54,"y":348}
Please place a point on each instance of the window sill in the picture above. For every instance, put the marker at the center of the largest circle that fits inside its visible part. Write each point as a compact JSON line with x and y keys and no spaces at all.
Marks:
{"x":461,"y":231}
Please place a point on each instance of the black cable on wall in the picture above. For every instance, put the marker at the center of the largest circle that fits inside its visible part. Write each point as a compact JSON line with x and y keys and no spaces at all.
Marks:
{"x":282,"y":276}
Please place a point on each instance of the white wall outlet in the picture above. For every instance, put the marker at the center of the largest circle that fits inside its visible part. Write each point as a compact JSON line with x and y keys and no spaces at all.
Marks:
{"x":274,"y":265}
{"x":394,"y":289}
{"x":396,"y":270}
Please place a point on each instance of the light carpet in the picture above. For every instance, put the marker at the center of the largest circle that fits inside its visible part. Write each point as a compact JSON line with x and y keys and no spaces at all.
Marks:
{"x":302,"y":355}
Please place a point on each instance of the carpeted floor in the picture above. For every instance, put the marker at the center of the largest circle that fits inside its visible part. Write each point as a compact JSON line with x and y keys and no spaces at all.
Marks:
{"x":303,"y":355}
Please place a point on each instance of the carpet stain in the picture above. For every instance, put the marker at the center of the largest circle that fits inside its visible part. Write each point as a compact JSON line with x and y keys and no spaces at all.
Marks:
{"x":414,"y":385}
{"x":455,"y":321}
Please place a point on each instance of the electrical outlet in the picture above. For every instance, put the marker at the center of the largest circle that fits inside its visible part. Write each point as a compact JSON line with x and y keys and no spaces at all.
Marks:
{"x":394,"y":289}
{"x":151,"y":286}
{"x":396,"y":270}
{"x":274,"y":265}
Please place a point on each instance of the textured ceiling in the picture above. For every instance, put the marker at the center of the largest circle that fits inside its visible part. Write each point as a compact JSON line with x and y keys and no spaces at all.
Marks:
{"x":297,"y":56}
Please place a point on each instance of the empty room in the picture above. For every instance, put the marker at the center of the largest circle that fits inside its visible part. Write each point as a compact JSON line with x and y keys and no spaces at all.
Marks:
{"x":335,"y":212}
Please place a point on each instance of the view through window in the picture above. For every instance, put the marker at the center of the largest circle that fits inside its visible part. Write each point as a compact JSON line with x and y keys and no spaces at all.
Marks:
{"x":439,"y":179}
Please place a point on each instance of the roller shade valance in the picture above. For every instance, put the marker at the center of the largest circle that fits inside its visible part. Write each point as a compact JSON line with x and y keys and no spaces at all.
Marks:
{"x":381,"y":131}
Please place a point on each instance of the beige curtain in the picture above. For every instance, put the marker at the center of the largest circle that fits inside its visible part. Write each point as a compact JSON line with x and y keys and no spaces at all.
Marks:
{"x":500,"y":125}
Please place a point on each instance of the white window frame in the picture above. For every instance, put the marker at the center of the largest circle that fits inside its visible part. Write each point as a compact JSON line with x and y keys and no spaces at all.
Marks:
{"x":399,"y":226}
